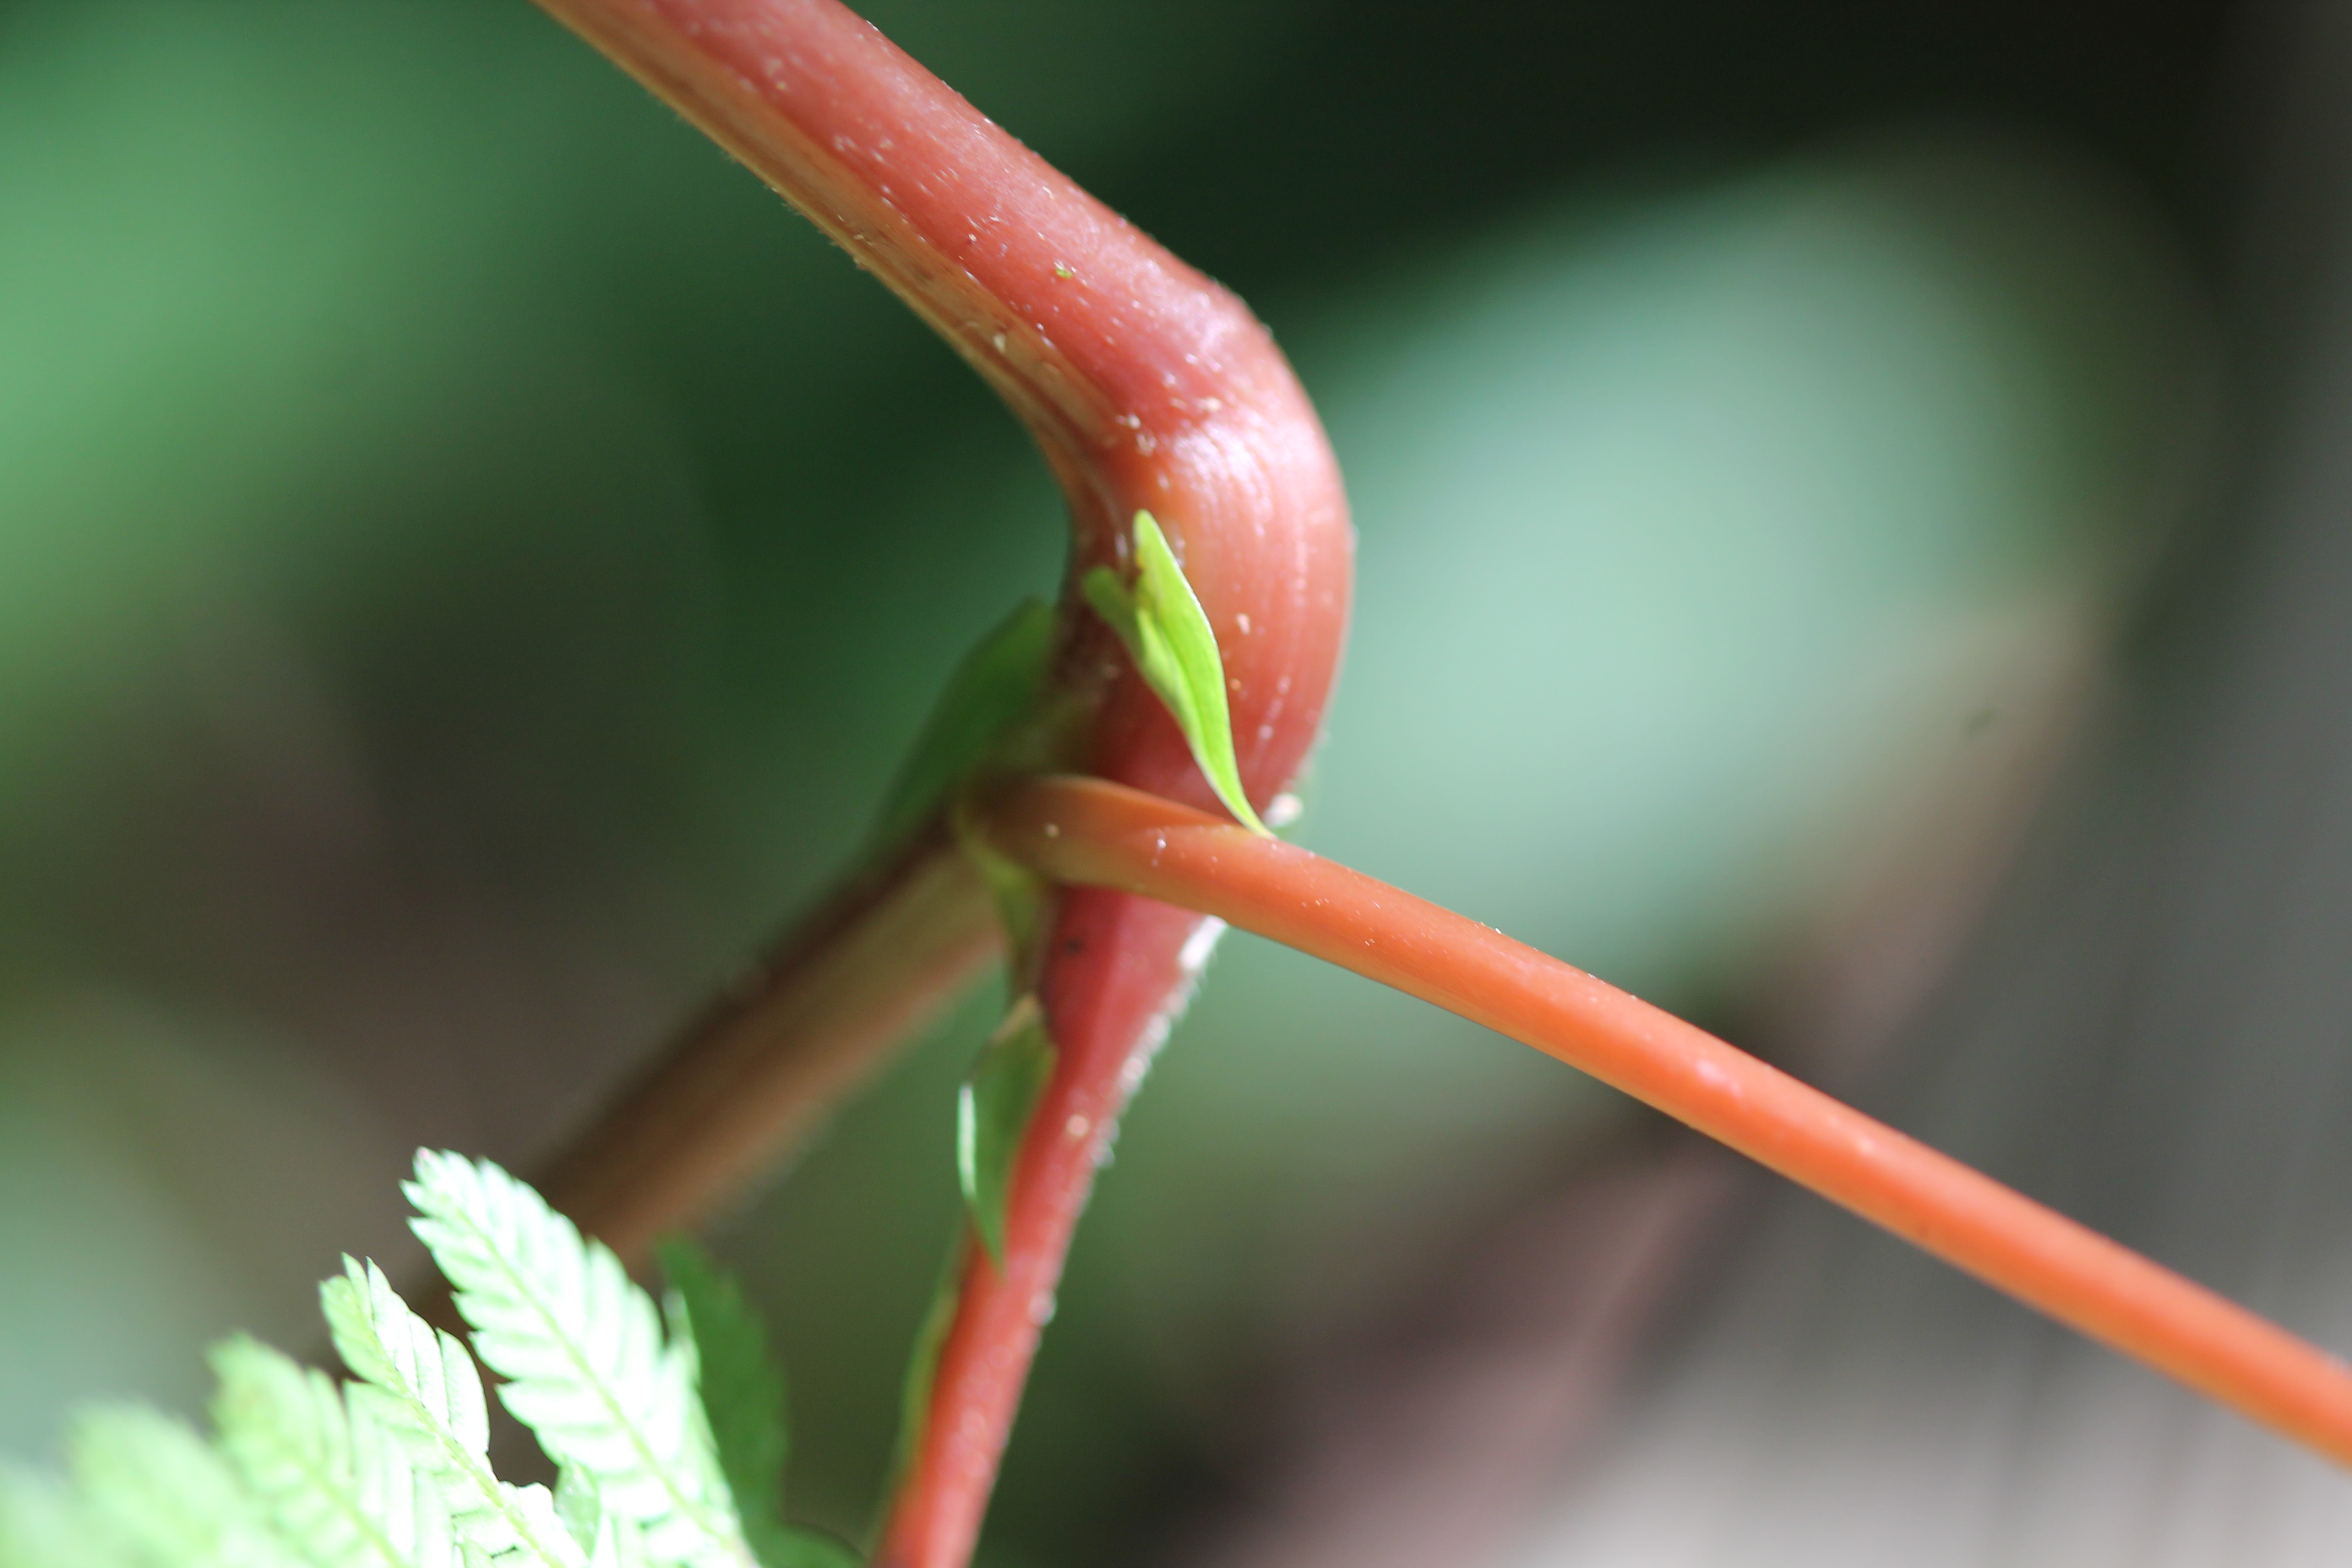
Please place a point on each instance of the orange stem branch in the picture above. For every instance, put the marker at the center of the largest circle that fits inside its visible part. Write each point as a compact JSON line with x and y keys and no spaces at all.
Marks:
{"x":1090,"y":832}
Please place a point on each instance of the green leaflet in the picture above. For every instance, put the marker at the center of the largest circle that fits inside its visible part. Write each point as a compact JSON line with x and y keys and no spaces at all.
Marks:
{"x":742,"y":1392}
{"x":742,"y":1388}
{"x":582,"y":1349}
{"x":1167,"y":635}
{"x":993,"y":687}
{"x":336,"y":1484}
{"x":426,"y":1391}
{"x":163,"y":1498}
{"x":993,"y":1109}
{"x":923,"y":1366}
{"x":577,"y":1506}
{"x":611,"y":1542}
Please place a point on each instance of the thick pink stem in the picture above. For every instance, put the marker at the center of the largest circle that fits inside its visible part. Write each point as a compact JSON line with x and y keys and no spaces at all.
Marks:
{"x":1147,"y":387}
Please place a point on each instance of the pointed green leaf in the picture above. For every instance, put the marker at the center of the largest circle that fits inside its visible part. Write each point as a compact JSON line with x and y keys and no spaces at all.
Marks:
{"x":429,"y":1393}
{"x":993,"y":1110}
{"x":582,"y":1349}
{"x":1167,"y":635}
{"x":741,"y":1386}
{"x":993,"y":688}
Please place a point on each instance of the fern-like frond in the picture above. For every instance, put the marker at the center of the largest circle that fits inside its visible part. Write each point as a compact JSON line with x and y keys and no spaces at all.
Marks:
{"x":581,"y":1348}
{"x":160,"y":1497}
{"x":335,"y":1481}
{"x":425,"y":1388}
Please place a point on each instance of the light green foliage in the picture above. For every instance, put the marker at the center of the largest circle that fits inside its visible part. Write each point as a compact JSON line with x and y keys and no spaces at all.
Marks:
{"x":43,"y":1525}
{"x":993,"y":1112}
{"x":993,"y":690}
{"x":581,"y":1348}
{"x":393,"y":1470}
{"x":614,"y":1541}
{"x":425,"y":1388}
{"x":1167,"y":635}
{"x":333,"y":1480}
{"x":166,"y":1499}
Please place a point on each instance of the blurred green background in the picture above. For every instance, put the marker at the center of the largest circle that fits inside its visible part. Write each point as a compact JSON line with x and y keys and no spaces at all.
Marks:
{"x":470,"y":558}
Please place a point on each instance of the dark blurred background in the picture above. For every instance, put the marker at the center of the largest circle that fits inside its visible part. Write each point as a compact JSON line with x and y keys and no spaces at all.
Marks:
{"x":1851,"y":542}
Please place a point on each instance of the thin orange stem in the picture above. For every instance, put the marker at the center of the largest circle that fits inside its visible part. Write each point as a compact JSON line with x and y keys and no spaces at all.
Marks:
{"x":1090,"y":832}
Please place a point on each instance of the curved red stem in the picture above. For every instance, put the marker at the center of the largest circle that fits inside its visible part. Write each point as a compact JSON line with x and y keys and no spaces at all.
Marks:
{"x":1147,"y":387}
{"x":1093,"y":834}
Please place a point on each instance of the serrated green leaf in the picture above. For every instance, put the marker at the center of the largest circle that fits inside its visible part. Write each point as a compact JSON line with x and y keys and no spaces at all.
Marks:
{"x":741,"y":1387}
{"x":164,"y":1498}
{"x":583,"y":1351}
{"x":1175,"y":649}
{"x":992,"y":688}
{"x":430,"y":1394}
{"x":334,"y":1481}
{"x":993,"y":1109}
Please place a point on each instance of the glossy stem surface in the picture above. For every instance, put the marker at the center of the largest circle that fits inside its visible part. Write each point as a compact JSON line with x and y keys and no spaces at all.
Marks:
{"x":1146,"y":387}
{"x":1093,"y":834}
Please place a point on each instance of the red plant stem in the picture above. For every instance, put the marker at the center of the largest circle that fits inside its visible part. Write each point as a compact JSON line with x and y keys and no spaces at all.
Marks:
{"x":1093,"y":834}
{"x":1146,"y":387}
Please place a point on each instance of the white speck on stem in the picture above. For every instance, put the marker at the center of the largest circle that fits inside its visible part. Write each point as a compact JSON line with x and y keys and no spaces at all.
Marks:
{"x":1712,"y":1075}
{"x":1195,"y":955}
